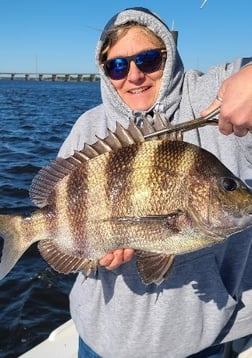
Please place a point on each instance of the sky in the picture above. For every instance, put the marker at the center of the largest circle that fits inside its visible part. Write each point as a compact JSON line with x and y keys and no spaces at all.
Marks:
{"x":61,"y":35}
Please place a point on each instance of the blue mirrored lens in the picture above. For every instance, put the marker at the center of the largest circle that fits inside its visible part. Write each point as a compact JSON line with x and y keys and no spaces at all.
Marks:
{"x":117,"y":68}
{"x":147,"y":62}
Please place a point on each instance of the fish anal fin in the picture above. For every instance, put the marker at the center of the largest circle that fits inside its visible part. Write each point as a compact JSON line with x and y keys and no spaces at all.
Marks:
{"x":153,"y":267}
{"x":65,"y":263}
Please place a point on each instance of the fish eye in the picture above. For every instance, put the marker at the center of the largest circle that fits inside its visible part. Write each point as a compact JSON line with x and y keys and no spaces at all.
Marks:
{"x":229,"y":184}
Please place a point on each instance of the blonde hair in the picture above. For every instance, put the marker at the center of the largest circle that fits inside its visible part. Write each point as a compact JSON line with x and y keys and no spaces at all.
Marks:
{"x":117,"y":32}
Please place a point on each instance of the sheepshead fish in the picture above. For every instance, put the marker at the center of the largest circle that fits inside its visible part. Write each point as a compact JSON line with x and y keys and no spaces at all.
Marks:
{"x":161,"y":197}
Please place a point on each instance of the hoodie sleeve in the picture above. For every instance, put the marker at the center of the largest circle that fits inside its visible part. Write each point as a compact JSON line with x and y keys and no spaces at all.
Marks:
{"x":207,"y":84}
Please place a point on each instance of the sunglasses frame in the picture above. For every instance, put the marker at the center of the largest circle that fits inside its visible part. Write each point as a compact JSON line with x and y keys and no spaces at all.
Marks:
{"x":161,"y":51}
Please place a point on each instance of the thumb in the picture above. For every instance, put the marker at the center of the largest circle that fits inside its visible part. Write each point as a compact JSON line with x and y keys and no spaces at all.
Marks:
{"x":216,"y":103}
{"x":213,"y":105}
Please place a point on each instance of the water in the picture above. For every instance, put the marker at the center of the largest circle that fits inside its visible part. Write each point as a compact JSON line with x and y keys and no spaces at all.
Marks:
{"x":35,"y":118}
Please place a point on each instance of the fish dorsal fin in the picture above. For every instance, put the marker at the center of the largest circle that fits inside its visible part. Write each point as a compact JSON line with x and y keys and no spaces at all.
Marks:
{"x":126,"y":136}
{"x":112,"y":140}
{"x":153,"y":267}
{"x":90,"y":151}
{"x":45,"y":181}
{"x":160,"y":123}
{"x":135,"y":132}
{"x":148,"y":128}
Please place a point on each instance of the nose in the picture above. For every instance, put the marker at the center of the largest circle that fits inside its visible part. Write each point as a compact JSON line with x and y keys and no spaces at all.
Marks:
{"x":134,"y":73}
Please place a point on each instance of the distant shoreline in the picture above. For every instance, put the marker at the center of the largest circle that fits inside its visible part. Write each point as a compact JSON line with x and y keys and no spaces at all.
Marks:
{"x":46,"y":80}
{"x":52,"y":77}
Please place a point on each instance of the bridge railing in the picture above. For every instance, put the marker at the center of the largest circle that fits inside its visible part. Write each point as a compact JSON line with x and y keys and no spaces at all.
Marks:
{"x":79,"y":77}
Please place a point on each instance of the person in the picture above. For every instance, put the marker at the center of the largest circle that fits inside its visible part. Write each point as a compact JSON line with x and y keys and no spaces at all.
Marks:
{"x":207,"y":298}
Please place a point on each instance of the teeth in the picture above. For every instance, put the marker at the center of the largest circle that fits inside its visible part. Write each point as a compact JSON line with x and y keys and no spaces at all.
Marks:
{"x":138,"y":90}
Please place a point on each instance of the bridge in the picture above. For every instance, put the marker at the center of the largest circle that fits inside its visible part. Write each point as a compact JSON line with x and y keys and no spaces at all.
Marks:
{"x":78,"y":77}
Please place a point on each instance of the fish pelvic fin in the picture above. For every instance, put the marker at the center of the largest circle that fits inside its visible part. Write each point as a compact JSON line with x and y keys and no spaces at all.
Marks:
{"x":153,"y":267}
{"x":14,"y":244}
{"x":63,"y":262}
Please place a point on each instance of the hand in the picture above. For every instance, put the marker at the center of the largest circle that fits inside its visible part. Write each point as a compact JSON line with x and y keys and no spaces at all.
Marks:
{"x":236,"y":105}
{"x":117,"y":257}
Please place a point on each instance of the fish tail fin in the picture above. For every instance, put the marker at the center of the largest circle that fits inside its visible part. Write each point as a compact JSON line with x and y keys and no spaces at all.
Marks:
{"x":14,"y":244}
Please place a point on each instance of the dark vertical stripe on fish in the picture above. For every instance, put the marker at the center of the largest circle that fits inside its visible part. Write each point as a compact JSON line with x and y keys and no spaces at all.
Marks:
{"x":75,"y":204}
{"x":119,"y":179}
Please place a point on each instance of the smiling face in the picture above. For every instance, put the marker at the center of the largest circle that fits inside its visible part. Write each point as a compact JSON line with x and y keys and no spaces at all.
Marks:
{"x":138,"y":90}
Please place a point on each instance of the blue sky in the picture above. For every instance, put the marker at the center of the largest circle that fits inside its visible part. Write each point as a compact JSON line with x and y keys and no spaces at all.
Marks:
{"x":61,"y":35}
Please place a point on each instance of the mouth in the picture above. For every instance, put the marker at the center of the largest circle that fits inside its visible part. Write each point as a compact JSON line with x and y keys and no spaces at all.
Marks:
{"x":139,"y":90}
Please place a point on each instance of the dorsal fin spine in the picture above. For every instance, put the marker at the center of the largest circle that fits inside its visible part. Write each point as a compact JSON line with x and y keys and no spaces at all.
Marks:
{"x":45,"y":181}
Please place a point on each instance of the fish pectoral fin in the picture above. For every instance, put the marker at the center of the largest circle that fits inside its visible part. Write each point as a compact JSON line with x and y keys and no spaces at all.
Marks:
{"x":153,"y":267}
{"x":65,"y":263}
{"x":169,"y":219}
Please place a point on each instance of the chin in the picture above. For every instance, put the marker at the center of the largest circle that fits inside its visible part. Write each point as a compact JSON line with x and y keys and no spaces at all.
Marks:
{"x":139,"y":107}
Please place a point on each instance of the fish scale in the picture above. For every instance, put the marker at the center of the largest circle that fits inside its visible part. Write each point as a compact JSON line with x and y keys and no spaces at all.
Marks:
{"x":160,"y":197}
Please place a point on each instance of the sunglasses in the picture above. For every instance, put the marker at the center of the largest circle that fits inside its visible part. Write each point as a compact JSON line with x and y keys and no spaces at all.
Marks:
{"x":147,"y":61}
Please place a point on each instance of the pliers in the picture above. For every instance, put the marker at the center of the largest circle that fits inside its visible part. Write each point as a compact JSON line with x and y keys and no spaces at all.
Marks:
{"x":186,"y":126}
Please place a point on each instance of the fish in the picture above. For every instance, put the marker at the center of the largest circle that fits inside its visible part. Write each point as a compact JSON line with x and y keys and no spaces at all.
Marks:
{"x":161,"y":197}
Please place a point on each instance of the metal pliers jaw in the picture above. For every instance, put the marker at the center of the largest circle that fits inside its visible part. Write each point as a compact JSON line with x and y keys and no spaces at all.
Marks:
{"x":178,"y":129}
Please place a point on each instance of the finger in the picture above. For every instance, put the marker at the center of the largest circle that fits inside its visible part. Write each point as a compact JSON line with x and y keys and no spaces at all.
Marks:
{"x":227,"y":128}
{"x":239,"y":131}
{"x":107,"y":259}
{"x":117,"y":260}
{"x":128,"y":254}
{"x":210,"y":108}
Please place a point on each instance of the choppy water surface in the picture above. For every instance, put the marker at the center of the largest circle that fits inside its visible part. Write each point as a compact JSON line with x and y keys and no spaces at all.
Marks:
{"x":35,"y":118}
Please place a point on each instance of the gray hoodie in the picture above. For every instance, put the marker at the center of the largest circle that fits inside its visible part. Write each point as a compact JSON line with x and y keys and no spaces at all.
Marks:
{"x":207,"y":298}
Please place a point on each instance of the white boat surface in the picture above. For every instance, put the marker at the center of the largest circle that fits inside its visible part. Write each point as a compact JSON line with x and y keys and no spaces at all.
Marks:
{"x":62,"y":342}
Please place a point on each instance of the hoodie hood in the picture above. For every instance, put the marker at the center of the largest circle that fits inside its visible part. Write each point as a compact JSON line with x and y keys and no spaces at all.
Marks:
{"x":170,"y":90}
